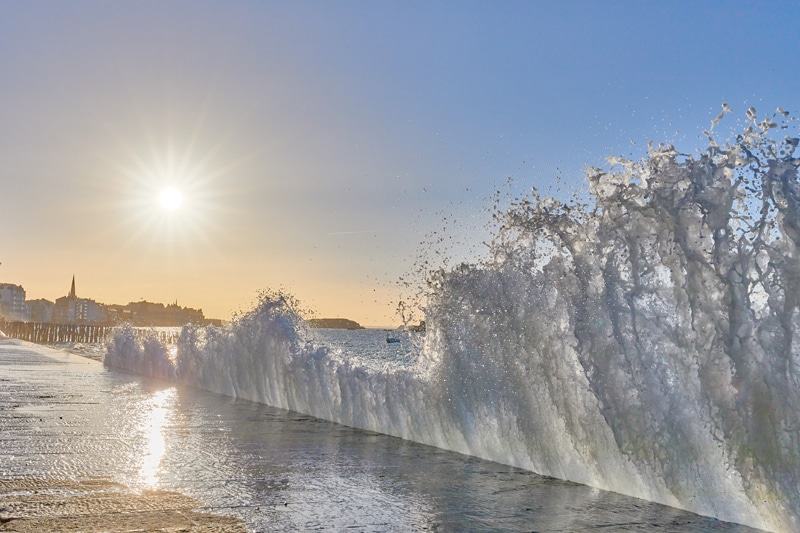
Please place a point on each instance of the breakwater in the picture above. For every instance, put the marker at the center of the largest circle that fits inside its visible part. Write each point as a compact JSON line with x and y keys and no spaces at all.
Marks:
{"x":45,"y":333}
{"x":56,"y":333}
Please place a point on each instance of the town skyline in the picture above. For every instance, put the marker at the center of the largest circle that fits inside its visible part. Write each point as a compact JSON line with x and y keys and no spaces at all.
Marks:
{"x":73,"y":309}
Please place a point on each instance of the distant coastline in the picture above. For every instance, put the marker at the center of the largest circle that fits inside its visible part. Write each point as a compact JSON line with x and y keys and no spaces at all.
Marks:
{"x":333,"y":323}
{"x":346,"y":323}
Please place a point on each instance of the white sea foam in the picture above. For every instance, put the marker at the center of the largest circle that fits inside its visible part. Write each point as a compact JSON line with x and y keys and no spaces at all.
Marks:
{"x":645,"y":344}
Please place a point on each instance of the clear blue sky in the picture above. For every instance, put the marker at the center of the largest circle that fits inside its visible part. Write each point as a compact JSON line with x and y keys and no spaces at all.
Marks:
{"x":316,"y":143}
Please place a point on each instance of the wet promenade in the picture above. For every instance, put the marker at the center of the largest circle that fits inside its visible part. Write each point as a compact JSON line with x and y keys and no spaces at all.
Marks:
{"x":151,"y":452}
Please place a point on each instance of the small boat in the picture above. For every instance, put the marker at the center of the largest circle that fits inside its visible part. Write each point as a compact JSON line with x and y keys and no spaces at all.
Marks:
{"x":391,"y":339}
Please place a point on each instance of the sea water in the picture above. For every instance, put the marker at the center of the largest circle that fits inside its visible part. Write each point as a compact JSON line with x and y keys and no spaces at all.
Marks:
{"x":65,"y":418}
{"x":643,"y":342}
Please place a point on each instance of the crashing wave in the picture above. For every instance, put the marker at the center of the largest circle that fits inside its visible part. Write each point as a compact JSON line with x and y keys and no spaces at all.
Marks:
{"x":643,"y":344}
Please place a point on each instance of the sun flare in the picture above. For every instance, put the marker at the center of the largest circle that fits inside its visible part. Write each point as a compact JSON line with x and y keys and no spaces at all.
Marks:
{"x":170,"y":199}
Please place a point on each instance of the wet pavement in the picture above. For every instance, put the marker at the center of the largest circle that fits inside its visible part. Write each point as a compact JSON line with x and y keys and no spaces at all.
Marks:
{"x":65,"y":418}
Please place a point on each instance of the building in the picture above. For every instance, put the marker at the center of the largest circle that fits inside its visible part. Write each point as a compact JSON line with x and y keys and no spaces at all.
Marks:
{"x":146,"y":313}
{"x":73,"y":310}
{"x":12,"y":302}
{"x":40,"y":310}
{"x":70,"y":309}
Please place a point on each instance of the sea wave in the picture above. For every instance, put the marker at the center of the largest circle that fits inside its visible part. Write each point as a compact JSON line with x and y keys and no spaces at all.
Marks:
{"x":642,"y":343}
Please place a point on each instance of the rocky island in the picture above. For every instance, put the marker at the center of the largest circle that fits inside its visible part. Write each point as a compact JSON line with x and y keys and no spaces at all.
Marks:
{"x":333,"y":323}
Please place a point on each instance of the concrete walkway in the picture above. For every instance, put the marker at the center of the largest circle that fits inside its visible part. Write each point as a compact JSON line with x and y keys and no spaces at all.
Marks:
{"x":48,"y":482}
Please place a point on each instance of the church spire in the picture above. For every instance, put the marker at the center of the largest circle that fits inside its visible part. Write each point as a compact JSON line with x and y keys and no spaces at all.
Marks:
{"x":72,"y":290}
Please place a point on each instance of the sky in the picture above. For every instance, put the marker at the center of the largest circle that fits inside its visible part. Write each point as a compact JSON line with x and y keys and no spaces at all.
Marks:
{"x":322,"y":147}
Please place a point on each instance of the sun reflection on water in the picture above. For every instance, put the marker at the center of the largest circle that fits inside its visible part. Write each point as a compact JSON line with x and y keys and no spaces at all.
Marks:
{"x":160,"y":406}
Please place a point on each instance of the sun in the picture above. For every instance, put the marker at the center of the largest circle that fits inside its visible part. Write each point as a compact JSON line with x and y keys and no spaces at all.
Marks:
{"x":170,"y":199}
